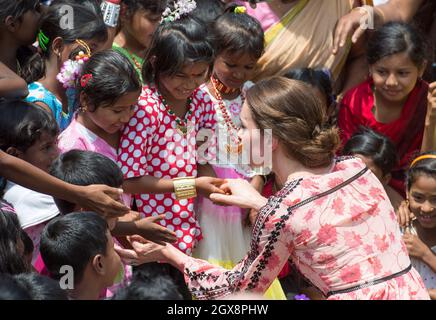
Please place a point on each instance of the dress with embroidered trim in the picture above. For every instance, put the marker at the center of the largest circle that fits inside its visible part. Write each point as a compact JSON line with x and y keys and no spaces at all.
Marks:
{"x":346,"y":237}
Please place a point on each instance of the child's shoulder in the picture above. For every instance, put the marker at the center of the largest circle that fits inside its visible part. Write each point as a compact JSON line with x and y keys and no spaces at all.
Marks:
{"x":31,"y":207}
{"x":202,"y":96}
{"x":39,"y":93}
{"x":149,"y":95}
{"x":15,"y":193}
{"x":149,"y":100}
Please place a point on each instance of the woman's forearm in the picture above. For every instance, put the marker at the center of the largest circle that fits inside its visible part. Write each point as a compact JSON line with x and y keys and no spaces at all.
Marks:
{"x":259,"y":202}
{"x":175,"y":257}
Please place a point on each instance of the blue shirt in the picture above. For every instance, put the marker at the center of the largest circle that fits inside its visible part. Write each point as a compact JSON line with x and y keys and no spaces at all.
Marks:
{"x":38,"y":93}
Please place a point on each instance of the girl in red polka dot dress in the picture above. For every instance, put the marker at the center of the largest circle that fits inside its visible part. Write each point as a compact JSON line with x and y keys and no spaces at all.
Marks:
{"x":158,"y":148}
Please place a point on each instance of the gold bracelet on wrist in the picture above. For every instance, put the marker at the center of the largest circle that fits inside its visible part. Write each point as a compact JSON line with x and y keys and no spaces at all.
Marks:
{"x":184,"y":188}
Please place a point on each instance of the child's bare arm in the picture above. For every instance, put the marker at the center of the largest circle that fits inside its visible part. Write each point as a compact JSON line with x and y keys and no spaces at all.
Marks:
{"x":428,"y":140}
{"x":148,"y":228}
{"x":97,"y":198}
{"x":150,"y":184}
{"x":11,"y":85}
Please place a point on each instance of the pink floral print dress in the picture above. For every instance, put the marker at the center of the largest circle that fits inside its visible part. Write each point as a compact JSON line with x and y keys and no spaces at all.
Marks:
{"x":339,"y":230}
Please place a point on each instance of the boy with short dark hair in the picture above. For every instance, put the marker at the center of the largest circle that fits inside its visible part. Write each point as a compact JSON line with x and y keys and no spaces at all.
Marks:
{"x":80,"y":241}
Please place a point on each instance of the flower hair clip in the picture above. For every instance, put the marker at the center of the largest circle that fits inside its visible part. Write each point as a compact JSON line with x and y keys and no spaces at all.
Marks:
{"x":85,"y":79}
{"x":72,"y":68}
{"x":181,"y":7}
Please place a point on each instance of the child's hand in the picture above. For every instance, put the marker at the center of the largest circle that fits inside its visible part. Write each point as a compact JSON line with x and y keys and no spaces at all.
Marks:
{"x":240,"y":193}
{"x":143,"y":252}
{"x":258,"y":182}
{"x":415,"y":246}
{"x":208,"y":185}
{"x":101,"y":199}
{"x":252,"y":216}
{"x":150,"y":229}
{"x":129,"y":217}
{"x":405,"y":216}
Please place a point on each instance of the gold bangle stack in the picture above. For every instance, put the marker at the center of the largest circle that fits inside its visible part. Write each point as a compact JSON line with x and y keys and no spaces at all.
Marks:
{"x":184,"y":188}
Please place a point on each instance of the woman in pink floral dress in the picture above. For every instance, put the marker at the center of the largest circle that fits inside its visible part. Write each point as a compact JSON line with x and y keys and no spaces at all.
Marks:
{"x":332,"y":217}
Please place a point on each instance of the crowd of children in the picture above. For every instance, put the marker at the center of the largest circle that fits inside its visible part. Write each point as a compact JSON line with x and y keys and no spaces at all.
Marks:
{"x":151,"y":103}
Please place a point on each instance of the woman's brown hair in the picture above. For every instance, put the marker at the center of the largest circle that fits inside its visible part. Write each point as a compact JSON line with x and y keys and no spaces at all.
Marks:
{"x":297,"y":119}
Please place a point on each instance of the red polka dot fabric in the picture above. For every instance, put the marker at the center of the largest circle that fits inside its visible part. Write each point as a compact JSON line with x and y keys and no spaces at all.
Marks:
{"x":152,"y":145}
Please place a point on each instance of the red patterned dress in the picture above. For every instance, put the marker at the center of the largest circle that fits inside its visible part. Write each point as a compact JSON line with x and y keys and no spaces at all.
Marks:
{"x":152,"y":145}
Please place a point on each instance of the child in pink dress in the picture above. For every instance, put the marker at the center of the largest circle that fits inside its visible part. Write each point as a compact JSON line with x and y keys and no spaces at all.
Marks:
{"x":158,"y":148}
{"x":29,"y":133}
{"x":159,"y":142}
{"x":109,"y":87}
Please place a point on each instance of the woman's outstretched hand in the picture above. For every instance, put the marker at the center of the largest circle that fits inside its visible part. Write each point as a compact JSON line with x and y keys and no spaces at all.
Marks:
{"x":143,"y":251}
{"x":239,"y":192}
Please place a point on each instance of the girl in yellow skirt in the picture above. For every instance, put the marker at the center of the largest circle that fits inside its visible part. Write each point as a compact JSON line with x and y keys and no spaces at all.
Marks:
{"x":239,"y":42}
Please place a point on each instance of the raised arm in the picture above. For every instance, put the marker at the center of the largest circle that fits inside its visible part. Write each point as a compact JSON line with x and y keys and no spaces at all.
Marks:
{"x":99,"y":198}
{"x":354,"y":24}
{"x":428,"y":140}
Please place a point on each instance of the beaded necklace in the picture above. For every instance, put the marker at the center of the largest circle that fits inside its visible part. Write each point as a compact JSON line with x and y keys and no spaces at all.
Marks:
{"x":231,"y":128}
{"x":181,"y":126}
{"x":222,"y":88}
{"x":135,"y":58}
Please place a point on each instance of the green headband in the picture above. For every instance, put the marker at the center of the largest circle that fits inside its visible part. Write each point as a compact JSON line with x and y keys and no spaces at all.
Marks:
{"x":43,"y":40}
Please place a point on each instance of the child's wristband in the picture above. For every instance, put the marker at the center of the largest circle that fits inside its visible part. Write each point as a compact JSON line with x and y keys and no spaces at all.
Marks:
{"x":184,"y":188}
